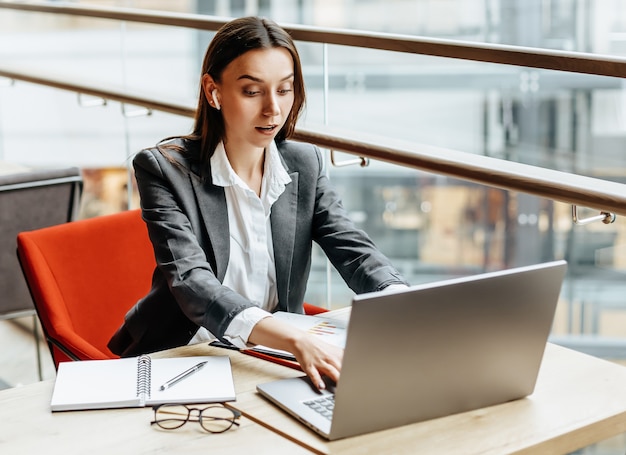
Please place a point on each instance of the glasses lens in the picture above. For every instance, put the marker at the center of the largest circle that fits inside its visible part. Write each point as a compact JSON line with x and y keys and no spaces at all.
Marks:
{"x":217,"y":419}
{"x":171,"y":417}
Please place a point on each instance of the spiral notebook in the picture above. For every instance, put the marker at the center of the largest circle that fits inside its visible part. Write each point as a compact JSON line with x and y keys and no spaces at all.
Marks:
{"x":136,"y":382}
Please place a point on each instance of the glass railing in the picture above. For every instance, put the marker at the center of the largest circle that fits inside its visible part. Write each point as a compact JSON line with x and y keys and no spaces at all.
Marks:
{"x":432,"y":224}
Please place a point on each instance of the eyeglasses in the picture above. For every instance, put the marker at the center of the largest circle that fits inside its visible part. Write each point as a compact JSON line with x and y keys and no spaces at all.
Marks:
{"x":214,"y":419}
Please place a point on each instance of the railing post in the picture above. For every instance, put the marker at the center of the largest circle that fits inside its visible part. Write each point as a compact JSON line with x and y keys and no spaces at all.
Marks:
{"x":605,"y":217}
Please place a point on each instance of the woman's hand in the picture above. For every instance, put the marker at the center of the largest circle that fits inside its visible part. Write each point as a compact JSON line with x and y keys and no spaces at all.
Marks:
{"x":316,"y":357}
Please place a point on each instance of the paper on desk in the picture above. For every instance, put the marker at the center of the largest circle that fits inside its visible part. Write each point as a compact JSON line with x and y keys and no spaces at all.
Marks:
{"x":332,"y":331}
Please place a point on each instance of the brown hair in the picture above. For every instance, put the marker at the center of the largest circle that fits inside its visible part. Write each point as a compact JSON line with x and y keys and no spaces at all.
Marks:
{"x":232,"y":40}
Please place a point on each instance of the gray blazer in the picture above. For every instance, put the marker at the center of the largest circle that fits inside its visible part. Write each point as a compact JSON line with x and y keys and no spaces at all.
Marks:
{"x":187,"y":221}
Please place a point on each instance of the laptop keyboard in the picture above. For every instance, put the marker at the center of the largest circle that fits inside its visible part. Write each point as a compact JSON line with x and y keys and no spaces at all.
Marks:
{"x":322,"y":405}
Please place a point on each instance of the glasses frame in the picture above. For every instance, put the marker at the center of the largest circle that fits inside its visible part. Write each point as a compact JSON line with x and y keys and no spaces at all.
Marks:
{"x":182,"y":420}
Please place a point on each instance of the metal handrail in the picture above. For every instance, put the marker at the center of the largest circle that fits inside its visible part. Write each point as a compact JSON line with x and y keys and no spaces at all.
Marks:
{"x":543,"y":182}
{"x":108,"y":92}
{"x":576,"y":62}
{"x":560,"y":186}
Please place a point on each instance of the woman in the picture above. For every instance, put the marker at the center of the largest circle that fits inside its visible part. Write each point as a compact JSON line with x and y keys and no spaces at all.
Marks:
{"x":232,"y":210}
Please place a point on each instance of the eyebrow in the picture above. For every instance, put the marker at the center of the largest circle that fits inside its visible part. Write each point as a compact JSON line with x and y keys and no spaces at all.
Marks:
{"x":256,"y":79}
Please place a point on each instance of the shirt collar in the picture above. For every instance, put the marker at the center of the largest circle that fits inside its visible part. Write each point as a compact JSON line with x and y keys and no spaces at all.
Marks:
{"x":278,"y":177}
{"x":222,"y":172}
{"x":275,"y":176}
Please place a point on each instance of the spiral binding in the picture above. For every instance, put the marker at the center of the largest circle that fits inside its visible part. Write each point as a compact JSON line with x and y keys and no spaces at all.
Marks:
{"x":144,"y":377}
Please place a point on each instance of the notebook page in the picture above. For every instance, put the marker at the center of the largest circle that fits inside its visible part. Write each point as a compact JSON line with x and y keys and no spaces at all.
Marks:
{"x":211,"y":383}
{"x":95,"y":384}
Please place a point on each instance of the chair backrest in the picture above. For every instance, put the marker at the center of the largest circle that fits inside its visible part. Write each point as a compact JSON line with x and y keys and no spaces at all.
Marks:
{"x":84,"y":276}
{"x":30,"y":199}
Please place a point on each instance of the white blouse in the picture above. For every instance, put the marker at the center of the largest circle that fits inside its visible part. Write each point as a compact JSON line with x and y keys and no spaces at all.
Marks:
{"x":251,"y":271}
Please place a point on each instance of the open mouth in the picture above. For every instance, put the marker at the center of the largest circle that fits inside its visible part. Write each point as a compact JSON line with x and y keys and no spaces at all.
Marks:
{"x":267,"y":129}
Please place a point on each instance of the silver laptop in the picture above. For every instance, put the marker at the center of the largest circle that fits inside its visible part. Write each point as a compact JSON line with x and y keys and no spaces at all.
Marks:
{"x":432,"y":350}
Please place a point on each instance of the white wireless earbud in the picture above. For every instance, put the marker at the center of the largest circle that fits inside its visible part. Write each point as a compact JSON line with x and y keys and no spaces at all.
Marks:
{"x":217,"y":103}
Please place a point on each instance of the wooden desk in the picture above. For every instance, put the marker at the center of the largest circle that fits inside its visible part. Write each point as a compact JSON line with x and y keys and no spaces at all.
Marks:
{"x":579,"y":400}
{"x":28,"y":427}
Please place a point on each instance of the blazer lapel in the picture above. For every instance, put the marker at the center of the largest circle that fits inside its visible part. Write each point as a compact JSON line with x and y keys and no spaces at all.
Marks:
{"x":283,"y":220}
{"x":212,"y":203}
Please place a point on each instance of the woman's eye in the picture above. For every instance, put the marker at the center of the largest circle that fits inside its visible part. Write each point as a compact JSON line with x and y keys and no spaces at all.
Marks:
{"x":284,"y":91}
{"x":250,"y":92}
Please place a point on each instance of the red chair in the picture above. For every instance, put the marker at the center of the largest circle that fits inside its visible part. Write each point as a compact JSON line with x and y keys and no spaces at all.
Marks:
{"x":312,"y":309}
{"x":83,"y":277}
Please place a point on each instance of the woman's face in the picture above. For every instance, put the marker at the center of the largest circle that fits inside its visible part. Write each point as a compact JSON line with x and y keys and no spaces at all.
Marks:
{"x":256,"y":96}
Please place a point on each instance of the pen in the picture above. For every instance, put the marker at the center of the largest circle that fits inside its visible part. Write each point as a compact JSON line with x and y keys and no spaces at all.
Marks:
{"x":182,"y":376}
